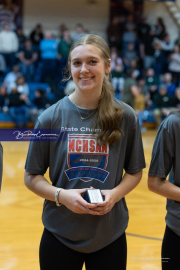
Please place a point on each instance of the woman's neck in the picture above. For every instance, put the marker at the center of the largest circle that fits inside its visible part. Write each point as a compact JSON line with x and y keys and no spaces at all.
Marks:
{"x":85,"y":100}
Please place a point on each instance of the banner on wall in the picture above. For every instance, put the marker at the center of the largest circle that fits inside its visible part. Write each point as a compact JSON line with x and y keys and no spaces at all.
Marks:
{"x":11,"y":12}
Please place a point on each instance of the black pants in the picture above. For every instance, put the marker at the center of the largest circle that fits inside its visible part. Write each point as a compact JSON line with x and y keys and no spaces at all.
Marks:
{"x":170,"y":250}
{"x":55,"y":255}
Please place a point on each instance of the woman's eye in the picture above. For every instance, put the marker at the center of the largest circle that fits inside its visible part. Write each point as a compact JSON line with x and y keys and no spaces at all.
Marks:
{"x":76,"y":63}
{"x":93,"y":61}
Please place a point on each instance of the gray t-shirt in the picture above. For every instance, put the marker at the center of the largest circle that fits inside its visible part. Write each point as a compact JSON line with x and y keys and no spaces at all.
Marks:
{"x":1,"y":164}
{"x":77,"y":161}
{"x":166,"y":156}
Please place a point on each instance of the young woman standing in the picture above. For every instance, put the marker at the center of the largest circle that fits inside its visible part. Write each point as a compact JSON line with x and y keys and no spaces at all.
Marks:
{"x":100,"y":137}
{"x":166,"y":157}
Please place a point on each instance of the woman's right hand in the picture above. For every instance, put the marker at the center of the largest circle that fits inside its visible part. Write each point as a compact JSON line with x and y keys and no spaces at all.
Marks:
{"x":73,"y":200}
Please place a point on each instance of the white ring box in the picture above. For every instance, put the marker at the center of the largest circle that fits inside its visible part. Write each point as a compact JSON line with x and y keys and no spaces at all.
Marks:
{"x":93,"y":196}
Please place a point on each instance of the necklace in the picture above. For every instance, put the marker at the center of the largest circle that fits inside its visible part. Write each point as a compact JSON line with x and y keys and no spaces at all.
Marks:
{"x":83,"y":118}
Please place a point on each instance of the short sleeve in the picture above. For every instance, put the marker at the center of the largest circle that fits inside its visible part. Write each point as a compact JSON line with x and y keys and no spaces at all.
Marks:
{"x":134,"y":157}
{"x":1,"y":164}
{"x":162,"y":154}
{"x":37,"y":161}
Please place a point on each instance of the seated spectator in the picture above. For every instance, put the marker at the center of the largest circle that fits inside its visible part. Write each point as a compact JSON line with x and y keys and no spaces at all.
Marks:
{"x":21,"y":38}
{"x":129,"y":36}
{"x":18,"y":108}
{"x":139,"y":106}
{"x":176,"y":99}
{"x":143,"y":89}
{"x":167,"y":47}
{"x":63,"y":50}
{"x":152,"y":83}
{"x":159,"y":58}
{"x":134,"y":66}
{"x":118,"y":78}
{"x":171,"y":87}
{"x":9,"y":45}
{"x":22,"y":86}
{"x":2,"y":65}
{"x":147,"y":49}
{"x":36,"y":36}
{"x":79,"y":31}
{"x":130,"y":89}
{"x":162,"y":102}
{"x":115,"y":59}
{"x":174,"y":65}
{"x":10,"y":78}
{"x":129,"y":55}
{"x":48,"y":48}
{"x":27,"y":57}
{"x":40,"y":103}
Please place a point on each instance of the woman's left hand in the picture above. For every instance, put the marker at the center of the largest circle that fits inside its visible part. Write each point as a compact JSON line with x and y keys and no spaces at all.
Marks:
{"x":106,"y":206}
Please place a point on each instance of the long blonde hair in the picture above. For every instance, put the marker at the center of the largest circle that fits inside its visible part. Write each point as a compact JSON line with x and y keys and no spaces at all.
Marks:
{"x":108,"y":116}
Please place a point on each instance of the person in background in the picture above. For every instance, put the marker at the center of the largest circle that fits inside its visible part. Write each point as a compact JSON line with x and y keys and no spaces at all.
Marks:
{"x":21,"y":38}
{"x":10,"y":78}
{"x":2,"y":65}
{"x":9,"y":45}
{"x":147,"y":49}
{"x":27,"y":57}
{"x":79,"y":31}
{"x":130,"y":89}
{"x":152,"y":82}
{"x":160,"y":29}
{"x":159,"y":58}
{"x":139,"y":106}
{"x":63,"y":50}
{"x":18,"y":108}
{"x":114,"y":32}
{"x":129,"y":55}
{"x":48,"y":48}
{"x":36,"y":36}
{"x":167,"y":47}
{"x":62,"y":28}
{"x":176,"y":99}
{"x":167,"y":81}
{"x":129,"y":36}
{"x":40,"y":103}
{"x":118,"y":79}
{"x":22,"y":86}
{"x":174,"y":65}
{"x":115,"y":59}
{"x":162,"y":103}
{"x":143,"y":89}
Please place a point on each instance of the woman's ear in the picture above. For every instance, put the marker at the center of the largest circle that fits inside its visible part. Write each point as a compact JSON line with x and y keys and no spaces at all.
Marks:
{"x":108,"y":67}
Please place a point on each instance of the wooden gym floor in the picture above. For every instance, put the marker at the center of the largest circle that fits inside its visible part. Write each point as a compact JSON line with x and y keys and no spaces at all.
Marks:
{"x":20,"y":216}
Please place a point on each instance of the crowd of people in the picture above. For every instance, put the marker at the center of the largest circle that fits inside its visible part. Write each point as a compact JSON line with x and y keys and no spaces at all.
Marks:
{"x":145,"y":64}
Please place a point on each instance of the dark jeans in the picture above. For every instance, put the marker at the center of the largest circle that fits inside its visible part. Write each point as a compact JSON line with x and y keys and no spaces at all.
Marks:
{"x":55,"y":255}
{"x":170,"y":253}
{"x":49,"y":69}
{"x":19,"y":115}
{"x":10,"y":59}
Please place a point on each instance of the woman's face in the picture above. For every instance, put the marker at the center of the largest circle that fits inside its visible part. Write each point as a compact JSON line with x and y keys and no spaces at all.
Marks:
{"x":88,"y":68}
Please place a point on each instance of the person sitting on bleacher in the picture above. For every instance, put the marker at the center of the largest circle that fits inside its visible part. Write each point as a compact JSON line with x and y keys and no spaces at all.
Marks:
{"x":40,"y":103}
{"x":18,"y":108}
{"x":162,"y":102}
{"x":10,"y":78}
{"x":167,"y":81}
{"x":22,"y":86}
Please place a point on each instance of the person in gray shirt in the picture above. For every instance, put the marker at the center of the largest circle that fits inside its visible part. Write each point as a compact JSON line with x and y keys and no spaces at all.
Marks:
{"x":166,"y":158}
{"x":1,"y":164}
{"x":100,"y":147}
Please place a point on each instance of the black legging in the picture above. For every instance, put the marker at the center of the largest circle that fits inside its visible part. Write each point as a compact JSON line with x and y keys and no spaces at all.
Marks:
{"x":55,"y":255}
{"x":170,"y":250}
